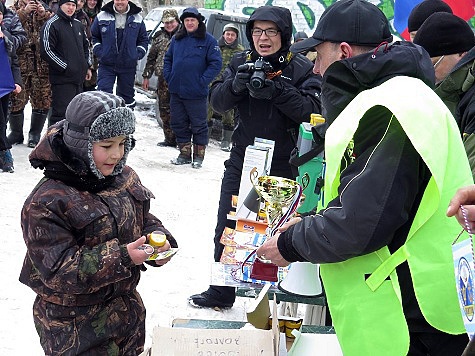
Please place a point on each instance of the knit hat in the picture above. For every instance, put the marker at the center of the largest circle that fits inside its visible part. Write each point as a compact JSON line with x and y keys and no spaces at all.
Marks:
{"x":357,"y":22}
{"x":443,"y":34}
{"x":231,"y":27}
{"x":94,"y":116}
{"x":299,"y":36}
{"x":170,"y":15}
{"x":423,"y":10}
{"x":61,"y":2}
{"x":192,"y":12}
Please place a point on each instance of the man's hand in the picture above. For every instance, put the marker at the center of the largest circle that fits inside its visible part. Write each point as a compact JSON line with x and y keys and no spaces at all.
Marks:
{"x":240,"y":82}
{"x":466,"y":197}
{"x":267,"y":92}
{"x":17,"y":89}
{"x":88,"y":74}
{"x":269,"y":251}
{"x":145,"y":83}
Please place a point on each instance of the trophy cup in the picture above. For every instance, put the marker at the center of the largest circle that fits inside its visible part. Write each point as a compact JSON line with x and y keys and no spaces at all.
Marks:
{"x":281,"y":197}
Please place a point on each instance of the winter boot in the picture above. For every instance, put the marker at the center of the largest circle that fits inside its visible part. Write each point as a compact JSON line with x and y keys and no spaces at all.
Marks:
{"x":38,"y":118}
{"x":16,"y":127}
{"x":6,"y":161}
{"x":185,"y":154}
{"x":198,"y":156}
{"x":226,"y":140}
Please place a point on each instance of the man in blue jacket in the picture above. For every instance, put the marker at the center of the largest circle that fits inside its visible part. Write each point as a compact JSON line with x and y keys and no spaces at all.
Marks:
{"x":119,"y":40}
{"x":190,"y":64}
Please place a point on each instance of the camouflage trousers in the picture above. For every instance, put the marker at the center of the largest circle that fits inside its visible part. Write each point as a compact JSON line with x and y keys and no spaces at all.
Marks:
{"x":227,"y":119}
{"x":163,"y":97}
{"x":116,"y":327}
{"x":36,"y":89}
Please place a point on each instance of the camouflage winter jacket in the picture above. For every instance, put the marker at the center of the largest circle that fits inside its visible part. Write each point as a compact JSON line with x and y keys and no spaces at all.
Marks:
{"x":29,"y":54}
{"x":227,"y":52}
{"x":160,"y":43}
{"x":76,"y":239}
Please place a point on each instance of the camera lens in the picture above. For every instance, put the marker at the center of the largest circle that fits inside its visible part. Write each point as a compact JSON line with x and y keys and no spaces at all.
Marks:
{"x":258,"y":79}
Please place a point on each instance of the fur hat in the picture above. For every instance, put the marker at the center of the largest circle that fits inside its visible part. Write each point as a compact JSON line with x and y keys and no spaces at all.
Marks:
{"x":170,"y":15}
{"x":61,"y":2}
{"x":192,"y":12}
{"x":444,"y":33}
{"x":94,"y":116}
{"x":423,"y":10}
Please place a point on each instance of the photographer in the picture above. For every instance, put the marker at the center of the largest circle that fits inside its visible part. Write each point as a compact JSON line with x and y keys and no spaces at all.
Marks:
{"x":290,"y":93}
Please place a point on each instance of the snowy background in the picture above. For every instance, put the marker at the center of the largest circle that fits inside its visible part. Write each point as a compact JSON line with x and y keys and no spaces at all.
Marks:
{"x":186,"y":202}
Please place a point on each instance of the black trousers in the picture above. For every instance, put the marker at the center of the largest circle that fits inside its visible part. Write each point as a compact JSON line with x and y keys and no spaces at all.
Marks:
{"x":4,"y":144}
{"x":61,"y":95}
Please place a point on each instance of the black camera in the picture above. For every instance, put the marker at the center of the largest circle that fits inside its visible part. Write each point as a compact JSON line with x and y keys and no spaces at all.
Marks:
{"x":260,"y":68}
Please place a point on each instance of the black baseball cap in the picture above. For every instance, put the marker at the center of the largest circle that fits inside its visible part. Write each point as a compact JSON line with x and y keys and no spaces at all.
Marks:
{"x":356,"y":22}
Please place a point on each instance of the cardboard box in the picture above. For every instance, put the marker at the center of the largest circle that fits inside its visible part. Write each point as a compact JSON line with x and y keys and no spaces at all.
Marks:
{"x":200,"y":342}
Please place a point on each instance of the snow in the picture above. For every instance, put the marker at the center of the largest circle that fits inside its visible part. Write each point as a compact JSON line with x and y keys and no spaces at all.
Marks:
{"x":186,"y":202}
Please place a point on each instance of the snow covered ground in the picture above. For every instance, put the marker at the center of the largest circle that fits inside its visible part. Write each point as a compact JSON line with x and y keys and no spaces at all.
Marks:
{"x":186,"y":202}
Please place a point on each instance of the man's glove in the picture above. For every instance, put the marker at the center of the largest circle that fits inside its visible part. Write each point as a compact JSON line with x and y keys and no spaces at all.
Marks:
{"x":240,"y":81}
{"x":269,"y":91}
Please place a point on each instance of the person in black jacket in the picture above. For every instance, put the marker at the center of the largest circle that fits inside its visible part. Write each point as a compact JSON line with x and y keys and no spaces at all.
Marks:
{"x":272,"y":112}
{"x":64,"y":45}
{"x":380,"y":191}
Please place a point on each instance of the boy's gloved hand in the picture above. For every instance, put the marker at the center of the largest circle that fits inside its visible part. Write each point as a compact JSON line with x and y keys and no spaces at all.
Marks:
{"x":240,"y":81}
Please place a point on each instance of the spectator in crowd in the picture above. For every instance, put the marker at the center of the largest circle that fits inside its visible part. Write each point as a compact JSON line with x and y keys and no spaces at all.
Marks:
{"x":382,"y":239}
{"x":85,"y":20}
{"x":54,"y":6}
{"x":422,"y":11}
{"x":34,"y":71}
{"x":12,"y":24}
{"x":229,"y":46}
{"x":85,"y":226}
{"x":300,"y":36}
{"x":11,"y":81}
{"x":119,"y":40}
{"x":64,"y":45}
{"x":291,"y":93}
{"x":92,"y":8}
{"x":160,"y":43}
{"x":450,"y":42}
{"x":192,"y":61}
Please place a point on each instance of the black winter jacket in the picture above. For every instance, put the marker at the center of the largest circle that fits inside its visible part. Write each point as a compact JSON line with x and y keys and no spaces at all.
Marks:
{"x":64,"y":45}
{"x":381,"y":189}
{"x":298,"y":93}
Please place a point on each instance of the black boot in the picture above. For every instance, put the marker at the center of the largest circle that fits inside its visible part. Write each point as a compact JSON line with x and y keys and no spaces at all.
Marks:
{"x":216,"y":297}
{"x":38,"y":118}
{"x":16,"y":127}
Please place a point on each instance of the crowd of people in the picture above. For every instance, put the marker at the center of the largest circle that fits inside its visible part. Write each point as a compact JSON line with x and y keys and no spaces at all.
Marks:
{"x":382,"y":233}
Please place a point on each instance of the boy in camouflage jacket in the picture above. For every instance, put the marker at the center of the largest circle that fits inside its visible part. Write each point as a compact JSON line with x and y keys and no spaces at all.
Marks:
{"x":84,"y":226}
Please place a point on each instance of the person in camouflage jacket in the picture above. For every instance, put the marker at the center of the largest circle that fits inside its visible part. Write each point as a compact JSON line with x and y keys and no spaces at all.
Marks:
{"x":228,"y":43}
{"x":84,"y":226}
{"x":159,"y":47}
{"x":34,"y":72}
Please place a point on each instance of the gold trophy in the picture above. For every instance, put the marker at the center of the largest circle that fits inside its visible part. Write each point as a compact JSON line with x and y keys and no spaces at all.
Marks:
{"x":281,"y":197}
